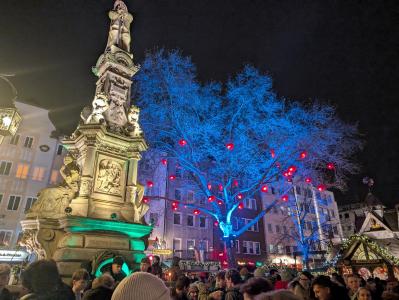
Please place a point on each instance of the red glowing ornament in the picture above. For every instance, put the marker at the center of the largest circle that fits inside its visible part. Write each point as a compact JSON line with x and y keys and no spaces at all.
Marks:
{"x":164,"y":161}
{"x":150,"y":184}
{"x":220,"y":187}
{"x":284,"y":198}
{"x":272,"y":153}
{"x":216,"y":223}
{"x":146,"y":199}
{"x":196,"y":212}
{"x":172,"y":177}
{"x":239,"y":196}
{"x":230,"y":146}
{"x":174,"y":208}
{"x":303,"y":155}
{"x":211,"y":198}
{"x":308,"y":180}
{"x":240,"y":205}
{"x":220,"y":202}
{"x":330,"y":166}
{"x":292,"y":169}
{"x":209,"y":186}
{"x":235,"y":182}
{"x":321,"y":187}
{"x":182,"y":142}
{"x":286,"y":174}
{"x":264,"y":188}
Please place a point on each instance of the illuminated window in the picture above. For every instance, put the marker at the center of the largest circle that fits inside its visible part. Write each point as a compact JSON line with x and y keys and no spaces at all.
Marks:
{"x":13,"y":202}
{"x":5,"y":167}
{"x":28,"y":142}
{"x":38,"y":173}
{"x":29,"y":202}
{"x":250,"y":247}
{"x":54,"y":176}
{"x":22,"y":171}
{"x":14,"y":140}
{"x":250,"y":203}
{"x":5,"y":237}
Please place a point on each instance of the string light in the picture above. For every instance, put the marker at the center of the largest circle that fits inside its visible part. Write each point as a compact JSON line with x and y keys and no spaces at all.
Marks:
{"x":284,"y":198}
{"x":196,"y":212}
{"x":164,"y":161}
{"x":235,"y":182}
{"x":239,"y":196}
{"x":150,"y":184}
{"x":330,"y":166}
{"x":321,"y":187}
{"x":211,"y":198}
{"x":303,"y":155}
{"x":308,"y":180}
{"x":172,"y":177}
{"x":209,"y":186}
{"x":146,"y":199}
{"x":182,"y":142}
{"x":264,"y":188}
{"x":230,"y":146}
{"x":272,"y":153}
{"x":240,"y":205}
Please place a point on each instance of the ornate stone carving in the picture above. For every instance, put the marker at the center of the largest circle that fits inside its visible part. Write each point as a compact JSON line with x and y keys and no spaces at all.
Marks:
{"x":119,"y":32}
{"x":30,"y":241}
{"x":52,"y":201}
{"x":100,"y":106}
{"x":85,"y":187}
{"x":134,"y":129}
{"x":135,"y":196}
{"x":109,"y":177}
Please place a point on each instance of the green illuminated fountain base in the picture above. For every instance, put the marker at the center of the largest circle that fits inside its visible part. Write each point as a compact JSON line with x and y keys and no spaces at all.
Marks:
{"x":72,"y":240}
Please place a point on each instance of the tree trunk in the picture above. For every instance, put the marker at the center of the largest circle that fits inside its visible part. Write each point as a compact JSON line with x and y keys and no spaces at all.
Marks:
{"x":305,"y":261}
{"x":230,"y":252}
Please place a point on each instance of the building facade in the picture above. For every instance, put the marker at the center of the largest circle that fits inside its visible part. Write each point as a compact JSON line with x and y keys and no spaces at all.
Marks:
{"x":28,"y":163}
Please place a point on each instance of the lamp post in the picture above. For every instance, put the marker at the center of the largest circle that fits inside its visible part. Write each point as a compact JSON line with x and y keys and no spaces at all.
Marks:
{"x":9,"y":116}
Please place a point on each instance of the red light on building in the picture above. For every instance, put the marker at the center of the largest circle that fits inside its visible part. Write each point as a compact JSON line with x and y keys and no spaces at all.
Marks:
{"x":196,"y":212}
{"x":164,"y":161}
{"x":284,"y":198}
{"x":172,"y":177}
{"x":321,"y":187}
{"x":150,"y":184}
{"x":240,"y":205}
{"x":264,"y":188}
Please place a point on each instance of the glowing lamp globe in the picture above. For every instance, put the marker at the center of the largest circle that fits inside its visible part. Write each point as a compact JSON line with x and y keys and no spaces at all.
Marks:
{"x":239,"y":196}
{"x":235,"y":182}
{"x":211,"y":198}
{"x":209,"y":186}
{"x":220,"y":187}
{"x":172,"y":177}
{"x":286,"y":174}
{"x":230,"y":146}
{"x":284,"y":198}
{"x":150,"y":184}
{"x":303,"y":155}
{"x":292,"y":169}
{"x":164,"y":161}
{"x":196,"y":212}
{"x":321,"y":187}
{"x":308,"y":180}
{"x":220,"y":202}
{"x":240,"y":205}
{"x":330,"y":166}
{"x":182,"y":142}
{"x":264,"y":188}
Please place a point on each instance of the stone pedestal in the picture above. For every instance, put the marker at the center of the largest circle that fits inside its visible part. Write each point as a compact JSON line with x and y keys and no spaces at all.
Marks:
{"x":72,"y":240}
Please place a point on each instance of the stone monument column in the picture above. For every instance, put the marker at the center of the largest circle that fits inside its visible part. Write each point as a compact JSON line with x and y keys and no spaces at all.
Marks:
{"x":97,"y":212}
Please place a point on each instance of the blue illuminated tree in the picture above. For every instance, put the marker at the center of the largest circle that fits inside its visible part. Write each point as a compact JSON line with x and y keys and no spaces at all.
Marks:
{"x":238,"y":139}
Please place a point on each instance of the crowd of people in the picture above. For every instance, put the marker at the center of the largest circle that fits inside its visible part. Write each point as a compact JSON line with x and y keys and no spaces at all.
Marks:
{"x":42,"y":281}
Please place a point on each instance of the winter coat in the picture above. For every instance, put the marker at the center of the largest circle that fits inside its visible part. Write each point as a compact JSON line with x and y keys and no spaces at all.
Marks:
{"x":100,"y":293}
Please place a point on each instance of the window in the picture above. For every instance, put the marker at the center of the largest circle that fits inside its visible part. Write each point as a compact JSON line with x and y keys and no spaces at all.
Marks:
{"x":277,"y":228}
{"x":22,"y":171}
{"x":237,"y":245}
{"x":332,"y":213}
{"x":190,"y":244}
{"x":270,"y":228}
{"x":280,"y":249}
{"x":271,"y":248}
{"x":273,"y":190}
{"x":202,"y":222}
{"x":29,"y":202}
{"x":202,"y":201}
{"x":254,"y":227}
{"x":5,"y":167}
{"x":335,"y":230}
{"x":60,"y":149}
{"x":38,"y":173}
{"x":178,"y":194}
{"x":154,"y":219}
{"x":250,"y":204}
{"x":14,"y":140}
{"x":346,"y":214}
{"x":190,"y":197}
{"x":288,"y":249}
{"x":178,"y":172}
{"x":28,"y":142}
{"x":285,"y":229}
{"x":190,"y":220}
{"x":5,"y":237}
{"x":177,"y":218}
{"x":13,"y":202}
{"x":54,"y":176}
{"x":250,"y":247}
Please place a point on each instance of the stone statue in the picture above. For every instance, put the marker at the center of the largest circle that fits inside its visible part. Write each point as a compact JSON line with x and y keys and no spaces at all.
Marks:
{"x":30,"y":242}
{"x":100,"y":106}
{"x":119,"y":31}
{"x":52,"y":201}
{"x":109,"y":176}
{"x":133,"y":128}
{"x":135,"y":196}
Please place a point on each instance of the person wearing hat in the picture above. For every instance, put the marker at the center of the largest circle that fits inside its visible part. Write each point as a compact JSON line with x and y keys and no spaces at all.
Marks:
{"x":5,"y":271}
{"x":141,"y":285}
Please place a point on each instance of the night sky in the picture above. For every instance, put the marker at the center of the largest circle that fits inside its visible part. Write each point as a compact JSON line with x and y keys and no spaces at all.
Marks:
{"x":342,"y":52}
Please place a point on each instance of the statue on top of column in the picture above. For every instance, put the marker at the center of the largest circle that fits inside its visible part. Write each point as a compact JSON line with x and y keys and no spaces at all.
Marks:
{"x":119,"y":31}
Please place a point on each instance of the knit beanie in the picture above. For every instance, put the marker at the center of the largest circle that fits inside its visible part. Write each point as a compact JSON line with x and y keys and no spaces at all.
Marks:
{"x":141,"y":285}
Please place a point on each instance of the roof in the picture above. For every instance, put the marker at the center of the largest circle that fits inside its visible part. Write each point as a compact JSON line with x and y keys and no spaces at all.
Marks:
{"x":391,"y":219}
{"x":372,"y":200}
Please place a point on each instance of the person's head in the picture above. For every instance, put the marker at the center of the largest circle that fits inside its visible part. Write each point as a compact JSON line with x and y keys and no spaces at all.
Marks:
{"x":254,"y":286}
{"x":391,"y":285}
{"x":232,"y":278}
{"x":305,"y":278}
{"x":193,"y":292}
{"x":80,"y":279}
{"x":5,"y":271}
{"x":371,"y":285}
{"x":322,"y":287}
{"x":363,"y":294}
{"x":145,"y":264}
{"x":155,"y":260}
{"x":105,"y":280}
{"x":41,"y":277}
{"x":141,"y":285}
{"x":182,"y":284}
{"x":277,"y":295}
{"x":175,"y":261}
{"x":117,"y":264}
{"x":244,"y":272}
{"x":220,"y":280}
{"x":353,"y":282}
{"x":338,"y":279}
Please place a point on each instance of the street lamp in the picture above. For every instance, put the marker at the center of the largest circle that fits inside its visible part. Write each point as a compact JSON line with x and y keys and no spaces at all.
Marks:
{"x":9,"y":116}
